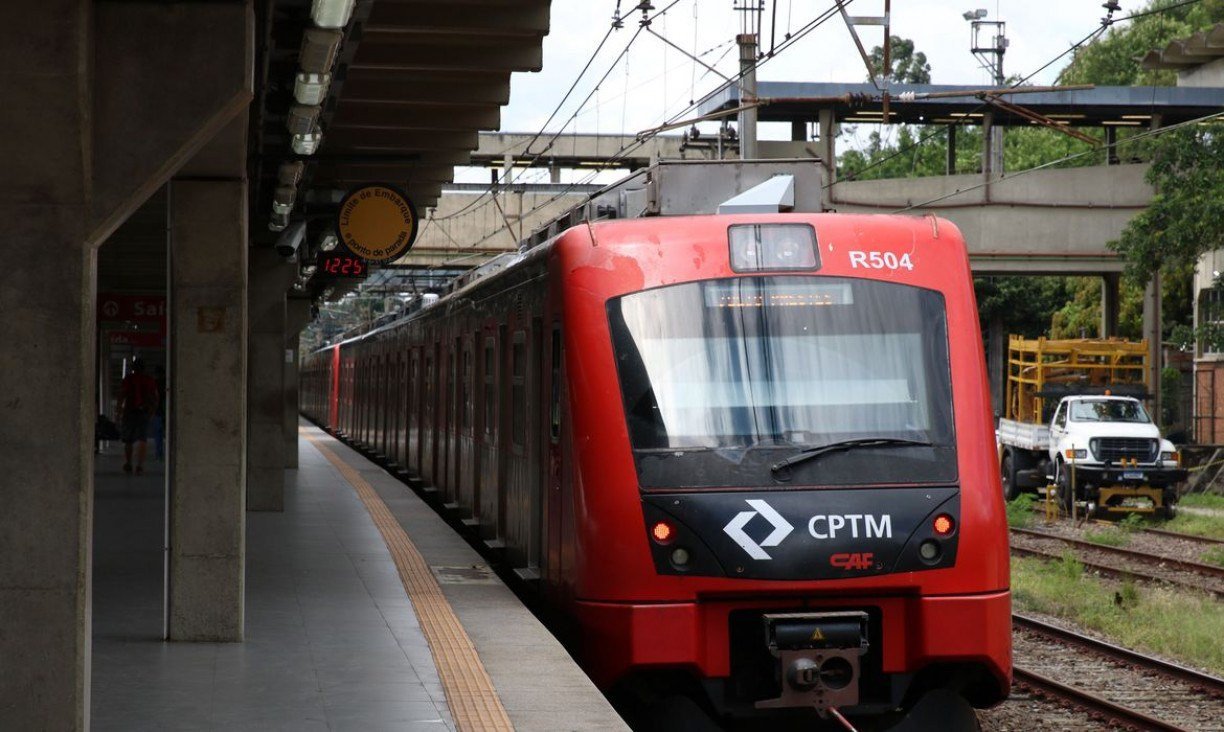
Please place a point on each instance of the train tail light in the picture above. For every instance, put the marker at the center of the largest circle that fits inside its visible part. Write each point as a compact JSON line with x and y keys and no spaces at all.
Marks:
{"x":943,"y":524}
{"x":662,"y":532}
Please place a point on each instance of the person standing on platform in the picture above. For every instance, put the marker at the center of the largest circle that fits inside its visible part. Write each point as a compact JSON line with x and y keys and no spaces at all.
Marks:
{"x":137,"y":403}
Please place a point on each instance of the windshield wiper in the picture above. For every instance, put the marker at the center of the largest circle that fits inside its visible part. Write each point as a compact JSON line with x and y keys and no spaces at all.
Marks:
{"x":815,"y":452}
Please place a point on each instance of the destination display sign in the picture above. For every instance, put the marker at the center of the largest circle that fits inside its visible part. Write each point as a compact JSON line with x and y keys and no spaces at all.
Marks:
{"x":377,"y":222}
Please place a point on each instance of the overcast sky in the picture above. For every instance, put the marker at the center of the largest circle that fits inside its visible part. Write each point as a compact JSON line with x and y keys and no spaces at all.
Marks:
{"x":661,"y":81}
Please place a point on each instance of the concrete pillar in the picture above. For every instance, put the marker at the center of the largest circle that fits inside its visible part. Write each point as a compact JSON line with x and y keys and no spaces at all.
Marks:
{"x":46,"y":371}
{"x":1109,"y":304}
{"x":268,"y":277}
{"x":1152,"y":327}
{"x":297,"y":315}
{"x":950,"y":166}
{"x":554,"y":173}
{"x":1111,"y":139}
{"x":207,"y":417}
{"x":988,"y":160}
{"x":996,"y":362}
{"x":828,"y":153}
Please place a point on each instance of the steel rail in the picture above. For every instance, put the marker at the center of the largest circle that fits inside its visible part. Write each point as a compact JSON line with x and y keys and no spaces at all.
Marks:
{"x":1183,"y":564}
{"x":1115,"y":573}
{"x":1187,"y":537}
{"x":1206,"y":682}
{"x":1097,"y":705}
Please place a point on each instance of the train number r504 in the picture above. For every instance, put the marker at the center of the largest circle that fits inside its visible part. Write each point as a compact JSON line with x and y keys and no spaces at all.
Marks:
{"x":880,"y":260}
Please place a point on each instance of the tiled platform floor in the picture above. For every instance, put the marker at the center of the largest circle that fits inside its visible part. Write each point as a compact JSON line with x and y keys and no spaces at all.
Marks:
{"x":332,"y":640}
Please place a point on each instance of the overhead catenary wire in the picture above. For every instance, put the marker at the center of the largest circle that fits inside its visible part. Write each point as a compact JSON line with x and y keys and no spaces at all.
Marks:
{"x":630,"y":147}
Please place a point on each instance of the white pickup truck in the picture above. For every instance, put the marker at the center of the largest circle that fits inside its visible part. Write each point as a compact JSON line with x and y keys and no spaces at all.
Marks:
{"x":1104,"y":441}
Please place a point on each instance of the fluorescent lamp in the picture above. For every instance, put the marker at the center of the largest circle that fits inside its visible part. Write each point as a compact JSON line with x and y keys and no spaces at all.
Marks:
{"x":1112,"y":123}
{"x":307,"y":144}
{"x":318,"y":53}
{"x":331,"y":13}
{"x":311,"y":89}
{"x":1136,"y":116}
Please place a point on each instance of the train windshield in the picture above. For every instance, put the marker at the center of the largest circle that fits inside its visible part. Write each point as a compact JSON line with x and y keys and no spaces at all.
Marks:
{"x":722,"y":378}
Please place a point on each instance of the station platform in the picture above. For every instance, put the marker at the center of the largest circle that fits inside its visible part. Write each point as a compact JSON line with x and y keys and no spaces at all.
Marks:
{"x":364,"y":611}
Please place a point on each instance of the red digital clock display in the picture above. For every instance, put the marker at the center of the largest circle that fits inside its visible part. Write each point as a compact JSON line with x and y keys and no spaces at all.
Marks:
{"x":342,"y":265}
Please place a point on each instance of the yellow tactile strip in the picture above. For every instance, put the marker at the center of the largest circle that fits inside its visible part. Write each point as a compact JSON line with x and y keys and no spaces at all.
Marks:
{"x":473,"y":701}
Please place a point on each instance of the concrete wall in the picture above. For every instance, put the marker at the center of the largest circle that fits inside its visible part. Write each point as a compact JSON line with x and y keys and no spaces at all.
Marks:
{"x":1207,"y":75}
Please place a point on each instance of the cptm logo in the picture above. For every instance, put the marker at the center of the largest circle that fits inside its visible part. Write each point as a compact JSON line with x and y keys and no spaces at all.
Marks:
{"x":852,"y":560}
{"x":735,"y":529}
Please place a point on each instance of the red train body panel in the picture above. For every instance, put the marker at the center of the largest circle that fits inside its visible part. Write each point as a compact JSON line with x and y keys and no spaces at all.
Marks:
{"x":634,"y":373}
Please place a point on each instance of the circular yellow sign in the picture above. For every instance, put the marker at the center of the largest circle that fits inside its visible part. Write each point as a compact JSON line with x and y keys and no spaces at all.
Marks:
{"x":377,"y":222}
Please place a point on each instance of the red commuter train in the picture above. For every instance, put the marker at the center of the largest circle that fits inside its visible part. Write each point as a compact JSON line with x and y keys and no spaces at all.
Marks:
{"x":753,"y":452}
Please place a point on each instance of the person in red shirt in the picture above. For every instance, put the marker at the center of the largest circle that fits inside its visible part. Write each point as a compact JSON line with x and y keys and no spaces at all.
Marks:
{"x":137,"y":402}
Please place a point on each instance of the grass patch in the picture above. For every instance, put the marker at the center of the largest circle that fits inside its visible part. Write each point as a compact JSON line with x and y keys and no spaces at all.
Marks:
{"x":1020,"y":511}
{"x":1108,"y":537}
{"x":1198,"y":524}
{"x":1203,"y":500}
{"x":1215,"y":556}
{"x":1158,"y":620}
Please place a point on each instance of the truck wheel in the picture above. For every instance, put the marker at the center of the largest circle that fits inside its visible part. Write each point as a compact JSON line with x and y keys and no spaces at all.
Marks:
{"x":1062,"y":479}
{"x":1010,"y":490}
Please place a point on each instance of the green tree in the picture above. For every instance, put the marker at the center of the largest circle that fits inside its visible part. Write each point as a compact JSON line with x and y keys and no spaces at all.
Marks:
{"x":908,"y":66}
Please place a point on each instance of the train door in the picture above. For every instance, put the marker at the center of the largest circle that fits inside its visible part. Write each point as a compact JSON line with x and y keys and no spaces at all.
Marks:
{"x":401,"y":407}
{"x":414,"y":410}
{"x":449,"y":413}
{"x":490,"y":457}
{"x":517,"y":479}
{"x":537,"y":470}
{"x":553,"y":457}
{"x":429,"y":389}
{"x":466,"y":457}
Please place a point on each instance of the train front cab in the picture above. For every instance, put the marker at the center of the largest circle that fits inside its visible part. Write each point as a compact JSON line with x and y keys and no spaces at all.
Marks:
{"x":706,"y":355}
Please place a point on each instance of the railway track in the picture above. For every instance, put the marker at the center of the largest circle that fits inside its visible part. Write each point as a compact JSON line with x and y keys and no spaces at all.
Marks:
{"x":1122,"y":563}
{"x":1184,"y":537}
{"x":1122,"y":686}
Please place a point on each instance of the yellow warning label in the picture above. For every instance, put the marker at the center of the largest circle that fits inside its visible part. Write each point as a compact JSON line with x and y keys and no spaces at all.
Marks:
{"x":377,"y":222}
{"x":817,"y":635}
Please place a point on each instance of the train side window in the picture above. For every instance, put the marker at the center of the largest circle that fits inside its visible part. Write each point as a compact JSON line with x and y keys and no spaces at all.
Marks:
{"x":465,"y":399}
{"x":490,"y":386}
{"x":554,"y":410}
{"x":518,"y":390}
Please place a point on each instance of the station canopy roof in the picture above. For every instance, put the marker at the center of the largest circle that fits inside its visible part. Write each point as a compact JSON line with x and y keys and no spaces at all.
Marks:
{"x":412,"y":84}
{"x":958,"y":104}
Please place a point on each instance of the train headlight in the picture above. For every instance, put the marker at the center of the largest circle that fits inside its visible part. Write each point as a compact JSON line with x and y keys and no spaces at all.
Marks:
{"x":929,"y":550}
{"x":662,"y":532}
{"x":767,"y":247}
{"x":680,"y":556}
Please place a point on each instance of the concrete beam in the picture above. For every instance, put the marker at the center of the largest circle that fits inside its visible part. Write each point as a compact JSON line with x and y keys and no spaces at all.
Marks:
{"x":356,"y":139}
{"x":443,"y":118}
{"x":421,"y":56}
{"x":152,"y":108}
{"x":269,"y":276}
{"x":500,"y":20}
{"x":207,"y":446}
{"x":297,"y":315}
{"x":363,"y":87}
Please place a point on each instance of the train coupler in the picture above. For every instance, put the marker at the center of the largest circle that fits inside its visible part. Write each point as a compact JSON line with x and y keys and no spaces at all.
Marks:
{"x":819,"y":658}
